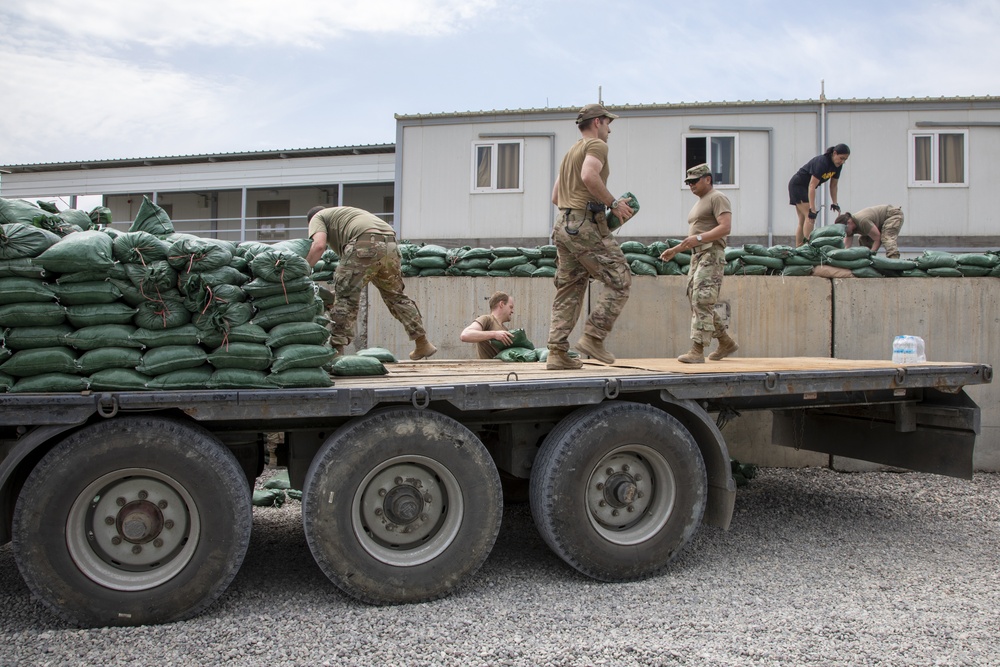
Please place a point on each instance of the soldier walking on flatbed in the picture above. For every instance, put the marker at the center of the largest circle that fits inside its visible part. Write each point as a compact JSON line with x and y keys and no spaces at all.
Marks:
{"x":368,"y":253}
{"x":585,"y":248}
{"x":710,"y":222}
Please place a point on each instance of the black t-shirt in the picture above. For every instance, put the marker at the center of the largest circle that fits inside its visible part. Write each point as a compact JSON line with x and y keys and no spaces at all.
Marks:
{"x":821,"y":167}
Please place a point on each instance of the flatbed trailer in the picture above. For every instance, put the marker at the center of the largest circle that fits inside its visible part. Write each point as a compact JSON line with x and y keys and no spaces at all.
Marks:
{"x":128,"y":508}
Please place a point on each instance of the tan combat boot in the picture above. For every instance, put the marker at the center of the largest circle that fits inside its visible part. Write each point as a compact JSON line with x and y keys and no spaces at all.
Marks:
{"x":424,"y":348}
{"x":694,"y":356}
{"x":727,"y":346}
{"x":594,"y":348}
{"x":559,"y":360}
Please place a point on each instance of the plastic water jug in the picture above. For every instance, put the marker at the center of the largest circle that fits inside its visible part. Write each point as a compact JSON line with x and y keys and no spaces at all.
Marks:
{"x":908,"y":350}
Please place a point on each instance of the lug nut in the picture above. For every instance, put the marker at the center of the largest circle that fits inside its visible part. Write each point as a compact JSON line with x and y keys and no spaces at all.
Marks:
{"x":625,"y":468}
{"x":143,"y":495}
{"x":614,"y":512}
{"x":109,"y":520}
{"x":116,"y":540}
{"x":637,"y":478}
{"x":162,"y":504}
{"x":600,"y":486}
{"x":378,"y":511}
{"x":169,"y":523}
{"x":610,"y":471}
{"x":120,"y":501}
{"x":157,"y":543}
{"x":382,"y":492}
{"x":136,"y":549}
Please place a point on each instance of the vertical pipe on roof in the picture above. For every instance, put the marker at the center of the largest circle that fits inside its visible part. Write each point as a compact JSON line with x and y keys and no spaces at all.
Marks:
{"x":822,"y":146}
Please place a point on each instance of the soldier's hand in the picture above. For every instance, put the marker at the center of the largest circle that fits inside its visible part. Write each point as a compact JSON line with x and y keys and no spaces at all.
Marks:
{"x":623,"y":210}
{"x":669,"y":253}
{"x":503,"y":336}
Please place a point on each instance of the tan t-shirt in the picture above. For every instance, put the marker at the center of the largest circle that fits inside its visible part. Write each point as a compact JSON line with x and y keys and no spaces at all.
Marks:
{"x":572,"y":193}
{"x":704,"y":216}
{"x":873,"y":216}
{"x":343,"y":224}
{"x":485,"y":348}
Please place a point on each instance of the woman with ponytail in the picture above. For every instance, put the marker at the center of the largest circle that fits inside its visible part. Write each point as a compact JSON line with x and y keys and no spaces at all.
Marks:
{"x":802,"y":187}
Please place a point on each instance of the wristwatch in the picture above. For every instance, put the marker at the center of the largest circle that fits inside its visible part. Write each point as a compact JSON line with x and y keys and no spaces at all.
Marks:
{"x":698,"y":238}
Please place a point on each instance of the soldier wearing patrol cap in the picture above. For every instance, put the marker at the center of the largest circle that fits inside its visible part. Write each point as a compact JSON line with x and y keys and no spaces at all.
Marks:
{"x":585,"y":248}
{"x":710,"y":222}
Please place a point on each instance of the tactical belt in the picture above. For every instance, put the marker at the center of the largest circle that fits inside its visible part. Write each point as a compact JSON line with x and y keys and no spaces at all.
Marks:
{"x":373,"y":236}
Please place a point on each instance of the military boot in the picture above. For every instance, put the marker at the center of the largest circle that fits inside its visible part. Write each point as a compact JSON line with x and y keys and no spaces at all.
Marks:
{"x":424,"y":348}
{"x":559,"y":360}
{"x":696,"y":355}
{"x":727,"y":346}
{"x":594,"y":347}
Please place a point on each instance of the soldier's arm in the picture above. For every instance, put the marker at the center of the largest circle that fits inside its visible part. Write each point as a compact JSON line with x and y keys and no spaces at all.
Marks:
{"x":317,"y":248}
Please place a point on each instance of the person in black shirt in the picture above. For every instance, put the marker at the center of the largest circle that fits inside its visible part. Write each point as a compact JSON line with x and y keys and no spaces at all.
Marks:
{"x":802,"y":187}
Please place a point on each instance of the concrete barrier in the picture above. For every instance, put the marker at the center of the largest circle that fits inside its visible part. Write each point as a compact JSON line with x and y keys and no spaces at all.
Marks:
{"x":769,"y":316}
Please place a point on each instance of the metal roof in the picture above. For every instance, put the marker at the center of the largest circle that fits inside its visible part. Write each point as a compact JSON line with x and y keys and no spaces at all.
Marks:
{"x":696,"y":105}
{"x":195,"y":159}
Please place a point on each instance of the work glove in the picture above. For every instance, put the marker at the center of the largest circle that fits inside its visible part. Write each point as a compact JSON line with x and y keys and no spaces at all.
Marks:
{"x":835,"y":207}
{"x":812,"y":214}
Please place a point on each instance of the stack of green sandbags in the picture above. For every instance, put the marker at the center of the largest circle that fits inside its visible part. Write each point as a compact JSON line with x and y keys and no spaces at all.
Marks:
{"x":326,"y":266}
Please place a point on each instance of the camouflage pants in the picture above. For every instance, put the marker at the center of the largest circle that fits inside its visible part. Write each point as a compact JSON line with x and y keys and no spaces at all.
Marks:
{"x":890,"y":233}
{"x":583,"y":256}
{"x":374,"y":259}
{"x":704,"y":283}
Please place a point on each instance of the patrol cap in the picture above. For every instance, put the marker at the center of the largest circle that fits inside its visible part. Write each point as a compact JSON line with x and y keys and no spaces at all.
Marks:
{"x":696,"y":172}
{"x":593,"y":111}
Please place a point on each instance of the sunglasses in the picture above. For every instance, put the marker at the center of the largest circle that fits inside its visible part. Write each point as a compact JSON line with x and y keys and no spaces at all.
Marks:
{"x":692,"y":181}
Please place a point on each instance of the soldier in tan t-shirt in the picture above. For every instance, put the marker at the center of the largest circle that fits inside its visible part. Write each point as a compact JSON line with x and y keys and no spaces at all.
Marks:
{"x":491,"y":326}
{"x":878,"y":226}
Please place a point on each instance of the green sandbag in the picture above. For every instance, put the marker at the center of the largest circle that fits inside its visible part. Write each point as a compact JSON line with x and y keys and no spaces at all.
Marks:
{"x":31,"y":315}
{"x":244,"y":333}
{"x":507,"y":263}
{"x":322,"y":276}
{"x":6,"y":382}
{"x":799,"y":260}
{"x":641,"y":268}
{"x":102,"y":335}
{"x":433,"y":272}
{"x":972,"y":271}
{"x":83,"y":251}
{"x":750,"y":269}
{"x":300,"y":378}
{"x":431,"y":250}
{"x":780,"y":251}
{"x":223,"y":316}
{"x":523,"y":270}
{"x":852,"y":264}
{"x":268,"y":498}
{"x":639,"y":257}
{"x":833,"y":230}
{"x":548,"y":250}
{"x":183,"y":335}
{"x":108,"y":357}
{"x":224,"y":275}
{"x":295,"y":312}
{"x":251,"y":356}
{"x":849,"y":254}
{"x":976,"y":259}
{"x":827,"y":242}
{"x":196,"y":255}
{"x":682,"y":259}
{"x":257,"y":288}
{"x":39,"y":361}
{"x":613,"y":221}
{"x":305,"y":356}
{"x":266,"y":302}
{"x":883,"y":263}
{"x":914,"y":273}
{"x":162,"y":314}
{"x":184,"y":379}
{"x":474,"y":263}
{"x":633,"y":246}
{"x":302,"y":333}
{"x":518,"y":338}
{"x":29,"y":338}
{"x":353,"y":365}
{"x":153,"y":219}
{"x":498,"y":273}
{"x":755,"y":249}
{"x":866,"y":272}
{"x":22,"y":267}
{"x":168,"y":358}
{"x":944,"y":272}
{"x":19,"y":241}
{"x":51,"y":382}
{"x":277,"y":266}
{"x":479,"y":253}
{"x":774,"y":263}
{"x":139,"y":248}
{"x":380,"y":353}
{"x":409,"y":271}
{"x":25,"y":290}
{"x":279,"y":481}
{"x":506,"y":251}
{"x":518,"y":354}
{"x":546,"y":262}
{"x":797,"y":270}
{"x":544,"y":272}
{"x":430,"y":262}
{"x":936,"y":260}
{"x":119,"y":379}
{"x":670,"y":268}
{"x":99,"y":313}
{"x":100,"y":216}
{"x":735,"y":253}
{"x":298,"y":246}
{"x":18,"y":211}
{"x":75,"y":294}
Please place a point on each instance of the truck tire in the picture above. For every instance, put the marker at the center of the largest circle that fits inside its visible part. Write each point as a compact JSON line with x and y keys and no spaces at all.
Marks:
{"x":617,"y":489}
{"x":401,"y":505}
{"x":132,"y":521}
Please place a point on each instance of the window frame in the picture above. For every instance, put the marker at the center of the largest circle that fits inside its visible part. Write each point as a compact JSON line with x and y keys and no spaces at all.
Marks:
{"x":708,"y":136}
{"x":494,"y":147}
{"x":935,"y":137}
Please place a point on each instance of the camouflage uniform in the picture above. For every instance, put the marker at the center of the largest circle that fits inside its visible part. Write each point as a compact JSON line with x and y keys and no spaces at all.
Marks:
{"x":367,"y":256}
{"x":582,"y":256}
{"x":888,"y":220}
{"x":704,"y":284}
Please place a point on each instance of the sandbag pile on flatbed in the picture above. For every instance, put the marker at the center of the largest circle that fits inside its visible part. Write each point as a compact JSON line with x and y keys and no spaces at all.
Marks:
{"x":154,"y":309}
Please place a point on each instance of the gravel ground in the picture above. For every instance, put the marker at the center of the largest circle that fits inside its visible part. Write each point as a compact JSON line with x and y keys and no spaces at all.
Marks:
{"x":819,"y":568}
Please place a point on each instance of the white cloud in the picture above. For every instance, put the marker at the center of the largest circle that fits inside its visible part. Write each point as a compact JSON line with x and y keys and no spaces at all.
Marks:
{"x":246,"y":23}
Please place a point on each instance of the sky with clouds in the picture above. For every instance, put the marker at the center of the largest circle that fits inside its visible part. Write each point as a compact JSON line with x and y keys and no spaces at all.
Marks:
{"x":124,"y":79}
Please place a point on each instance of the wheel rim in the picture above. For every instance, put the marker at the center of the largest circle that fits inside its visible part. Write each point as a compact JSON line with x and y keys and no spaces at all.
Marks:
{"x":630,"y":494}
{"x":132,"y":529}
{"x":407,"y":511}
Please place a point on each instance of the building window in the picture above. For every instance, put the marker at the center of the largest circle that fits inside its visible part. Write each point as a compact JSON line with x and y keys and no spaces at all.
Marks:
{"x":496,"y":166}
{"x":939,"y":159}
{"x":719,"y":151}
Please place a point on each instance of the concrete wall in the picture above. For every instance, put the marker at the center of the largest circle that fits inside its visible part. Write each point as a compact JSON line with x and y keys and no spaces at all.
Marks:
{"x":770,"y":316}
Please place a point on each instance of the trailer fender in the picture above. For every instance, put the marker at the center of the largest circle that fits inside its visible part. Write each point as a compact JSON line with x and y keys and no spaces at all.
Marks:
{"x":16,"y":466}
{"x":721,"y":487}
